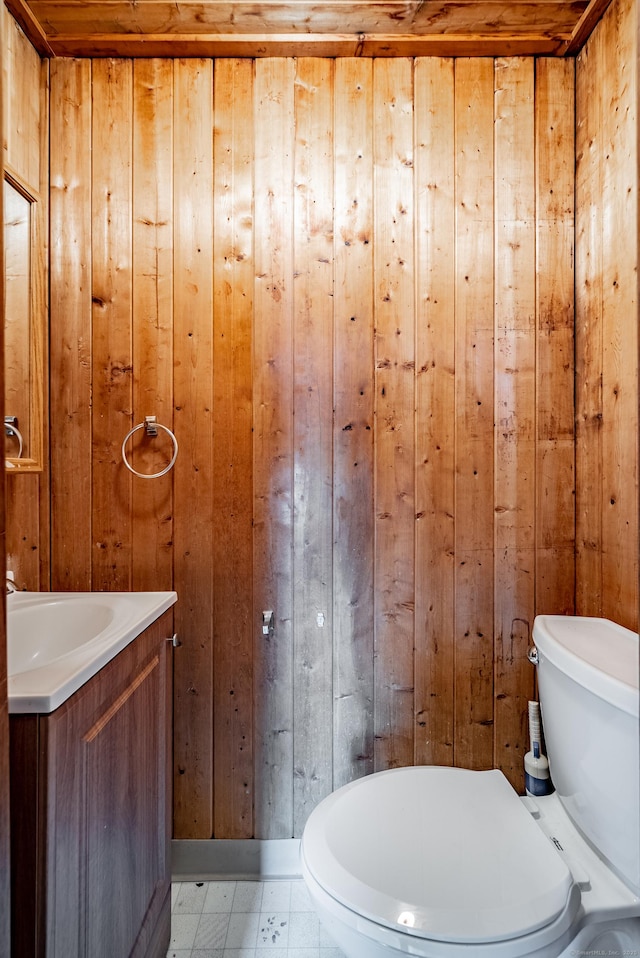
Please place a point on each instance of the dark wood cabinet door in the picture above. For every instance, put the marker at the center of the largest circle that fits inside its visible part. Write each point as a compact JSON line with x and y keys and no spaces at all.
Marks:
{"x":101,"y":811}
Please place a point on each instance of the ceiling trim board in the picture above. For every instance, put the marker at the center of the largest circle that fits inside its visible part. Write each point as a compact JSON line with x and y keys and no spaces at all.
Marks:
{"x":21,"y":12}
{"x":321,"y":45}
{"x":586,"y":25}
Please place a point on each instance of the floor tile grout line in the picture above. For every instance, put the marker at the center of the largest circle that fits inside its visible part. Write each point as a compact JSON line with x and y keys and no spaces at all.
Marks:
{"x":269,"y":902}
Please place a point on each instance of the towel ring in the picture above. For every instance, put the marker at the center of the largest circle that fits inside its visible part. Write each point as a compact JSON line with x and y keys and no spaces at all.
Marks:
{"x":151,"y":427}
{"x":11,"y":429}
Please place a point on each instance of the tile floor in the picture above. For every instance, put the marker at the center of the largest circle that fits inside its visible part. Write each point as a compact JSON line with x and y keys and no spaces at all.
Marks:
{"x":246,"y":919}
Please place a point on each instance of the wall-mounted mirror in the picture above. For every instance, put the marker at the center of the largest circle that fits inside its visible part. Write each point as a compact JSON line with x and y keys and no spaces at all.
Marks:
{"x":24,"y":327}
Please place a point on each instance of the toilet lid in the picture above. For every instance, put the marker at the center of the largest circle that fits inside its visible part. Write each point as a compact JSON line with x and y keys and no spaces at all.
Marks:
{"x":448,"y":853}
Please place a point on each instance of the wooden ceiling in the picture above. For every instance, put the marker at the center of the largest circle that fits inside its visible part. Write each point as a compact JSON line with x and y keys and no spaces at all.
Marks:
{"x":183,"y":28}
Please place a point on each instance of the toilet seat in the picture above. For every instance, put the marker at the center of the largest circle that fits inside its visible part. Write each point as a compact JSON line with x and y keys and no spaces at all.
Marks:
{"x":443,"y":854}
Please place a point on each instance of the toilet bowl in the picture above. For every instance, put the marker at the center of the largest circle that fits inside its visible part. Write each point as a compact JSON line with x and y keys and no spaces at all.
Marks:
{"x":447,"y":862}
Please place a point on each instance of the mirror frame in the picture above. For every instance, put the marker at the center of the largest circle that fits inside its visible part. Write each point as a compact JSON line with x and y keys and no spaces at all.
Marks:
{"x":37,"y":329}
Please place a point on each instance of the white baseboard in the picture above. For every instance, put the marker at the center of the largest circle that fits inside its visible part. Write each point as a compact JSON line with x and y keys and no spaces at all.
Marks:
{"x":249,"y":859}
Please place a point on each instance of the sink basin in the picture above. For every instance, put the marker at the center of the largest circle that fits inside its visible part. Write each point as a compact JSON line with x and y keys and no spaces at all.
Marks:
{"x":56,"y":641}
{"x":67,"y":624}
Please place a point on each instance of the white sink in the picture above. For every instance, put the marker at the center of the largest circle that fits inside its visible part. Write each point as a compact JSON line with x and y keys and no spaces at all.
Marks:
{"x":67,"y":623}
{"x":56,"y":641}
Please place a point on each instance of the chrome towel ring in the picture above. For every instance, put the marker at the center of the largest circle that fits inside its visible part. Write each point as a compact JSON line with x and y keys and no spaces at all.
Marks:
{"x":11,"y":429}
{"x":151,"y":428}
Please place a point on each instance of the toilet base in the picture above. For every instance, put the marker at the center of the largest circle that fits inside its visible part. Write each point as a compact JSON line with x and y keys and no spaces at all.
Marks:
{"x":615,"y":939}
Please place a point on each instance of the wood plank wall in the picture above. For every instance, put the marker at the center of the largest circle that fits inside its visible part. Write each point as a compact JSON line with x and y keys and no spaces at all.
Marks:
{"x":607,"y":319}
{"x":26,"y":153}
{"x":348,"y":286}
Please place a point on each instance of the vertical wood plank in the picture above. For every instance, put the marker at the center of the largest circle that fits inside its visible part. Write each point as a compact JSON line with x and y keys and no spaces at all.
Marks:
{"x":232,"y":439}
{"x":40,"y":415}
{"x":152,"y":504}
{"x":26,"y":371}
{"x":273,"y":446}
{"x":589,"y":212}
{"x":111,"y":322}
{"x":23,"y":530}
{"x":473,"y":706}
{"x":620,"y":318}
{"x":193,"y":472}
{"x":515,"y":396}
{"x":70,"y":324}
{"x":435,"y":410}
{"x":313,"y":436}
{"x":22,"y":121}
{"x":353,"y":521}
{"x":606,"y":327}
{"x":394,"y":490}
{"x":555,"y":448}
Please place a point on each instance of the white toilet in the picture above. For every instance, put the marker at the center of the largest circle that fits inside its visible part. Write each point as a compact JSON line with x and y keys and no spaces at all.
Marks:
{"x":451,"y":863}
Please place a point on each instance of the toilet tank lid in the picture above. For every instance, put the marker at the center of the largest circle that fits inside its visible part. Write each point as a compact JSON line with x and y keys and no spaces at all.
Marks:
{"x":441,"y":853}
{"x":596,"y":653}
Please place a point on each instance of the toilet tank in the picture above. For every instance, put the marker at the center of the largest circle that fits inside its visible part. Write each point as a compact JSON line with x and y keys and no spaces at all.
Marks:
{"x":588,"y":683}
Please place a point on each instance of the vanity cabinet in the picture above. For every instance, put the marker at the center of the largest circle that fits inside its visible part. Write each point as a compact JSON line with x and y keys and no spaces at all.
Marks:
{"x":91,"y":813}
